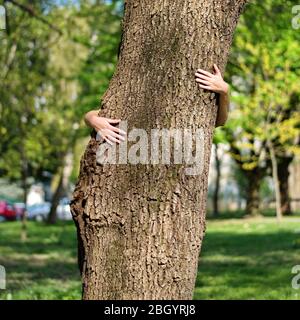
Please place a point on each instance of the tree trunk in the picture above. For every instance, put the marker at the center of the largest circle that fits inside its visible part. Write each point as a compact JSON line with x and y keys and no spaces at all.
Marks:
{"x":283,"y":176}
{"x":254,"y":178}
{"x":61,"y":187}
{"x":217,"y":183}
{"x":275,"y":180}
{"x":24,"y":177}
{"x":59,"y":191}
{"x":25,"y":196}
{"x":140,"y":227}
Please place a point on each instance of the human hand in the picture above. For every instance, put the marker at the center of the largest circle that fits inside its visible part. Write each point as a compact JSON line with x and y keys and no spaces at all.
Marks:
{"x":106,"y":128}
{"x":213,"y":82}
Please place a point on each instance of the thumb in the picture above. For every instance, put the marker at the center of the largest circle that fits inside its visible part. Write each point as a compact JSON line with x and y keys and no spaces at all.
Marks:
{"x":217,"y":70}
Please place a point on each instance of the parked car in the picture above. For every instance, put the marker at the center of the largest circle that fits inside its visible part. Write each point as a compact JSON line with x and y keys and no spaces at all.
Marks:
{"x":19,"y":207}
{"x":63,"y":210}
{"x":40,"y":211}
{"x":7,"y":211}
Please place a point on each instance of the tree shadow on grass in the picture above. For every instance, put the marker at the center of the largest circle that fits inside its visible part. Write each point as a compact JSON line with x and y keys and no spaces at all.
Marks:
{"x":251,"y":244}
{"x":241,"y":214}
{"x":19,"y":271}
{"x":241,"y":264}
{"x":42,"y":267}
{"x":42,"y":239}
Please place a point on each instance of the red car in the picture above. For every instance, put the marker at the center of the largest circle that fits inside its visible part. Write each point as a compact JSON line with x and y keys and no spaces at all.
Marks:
{"x":7,"y":211}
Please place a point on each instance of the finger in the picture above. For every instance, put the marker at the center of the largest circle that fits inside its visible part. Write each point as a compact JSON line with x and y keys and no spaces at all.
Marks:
{"x":217,"y":69}
{"x":113,"y":139}
{"x":115,"y":129}
{"x":205,"y":87}
{"x":114,"y":121}
{"x":203,"y":82}
{"x":108,"y":141}
{"x":202,"y":76}
{"x":205,"y":72}
{"x":114,"y":134}
{"x":119,"y":137}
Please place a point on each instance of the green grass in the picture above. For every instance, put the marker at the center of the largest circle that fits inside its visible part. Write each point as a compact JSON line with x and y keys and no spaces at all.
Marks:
{"x":45,"y":267}
{"x":240,"y":259}
{"x":249,"y":259}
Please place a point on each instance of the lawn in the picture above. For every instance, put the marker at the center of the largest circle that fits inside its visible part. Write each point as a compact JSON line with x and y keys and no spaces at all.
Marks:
{"x":241,"y":259}
{"x":249,"y":259}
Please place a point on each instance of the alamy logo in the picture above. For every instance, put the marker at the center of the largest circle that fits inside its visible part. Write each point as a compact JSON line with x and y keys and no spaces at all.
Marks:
{"x":296,"y":18}
{"x":2,"y":278}
{"x":159,"y":146}
{"x":296,"y":278}
{"x":2,"y":18}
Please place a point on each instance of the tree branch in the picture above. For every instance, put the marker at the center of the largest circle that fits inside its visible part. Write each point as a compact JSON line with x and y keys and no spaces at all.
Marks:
{"x":32,"y":13}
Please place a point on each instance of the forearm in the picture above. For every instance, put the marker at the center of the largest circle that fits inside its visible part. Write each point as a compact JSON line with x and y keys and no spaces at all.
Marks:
{"x":88,"y":117}
{"x":223,"y":109}
{"x":214,"y":82}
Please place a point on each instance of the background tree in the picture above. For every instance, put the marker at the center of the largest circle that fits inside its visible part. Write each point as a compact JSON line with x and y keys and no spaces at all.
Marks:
{"x":23,"y":54}
{"x":46,"y":87}
{"x":262,"y":73}
{"x":218,"y":139}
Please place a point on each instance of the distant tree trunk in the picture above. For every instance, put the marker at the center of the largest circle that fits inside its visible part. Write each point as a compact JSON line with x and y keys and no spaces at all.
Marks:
{"x":140,"y":227}
{"x":24,"y":175}
{"x":254,"y":178}
{"x":24,"y":183}
{"x":283,"y":176}
{"x":59,"y":191}
{"x":249,"y":186}
{"x":275,"y":180}
{"x":61,"y":188}
{"x":217,"y":183}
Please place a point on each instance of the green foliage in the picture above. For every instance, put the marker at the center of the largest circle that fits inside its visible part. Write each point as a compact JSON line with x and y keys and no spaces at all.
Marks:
{"x":264,"y":72}
{"x":50,"y":79}
{"x":25,"y":104}
{"x":102,"y":42}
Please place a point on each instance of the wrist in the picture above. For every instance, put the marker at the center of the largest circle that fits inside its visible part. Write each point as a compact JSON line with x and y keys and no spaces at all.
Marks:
{"x":90,"y":118}
{"x":93,"y":120}
{"x":225,"y":89}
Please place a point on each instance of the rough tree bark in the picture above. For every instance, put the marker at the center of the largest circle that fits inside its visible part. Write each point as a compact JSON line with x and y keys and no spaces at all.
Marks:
{"x":140,"y":227}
